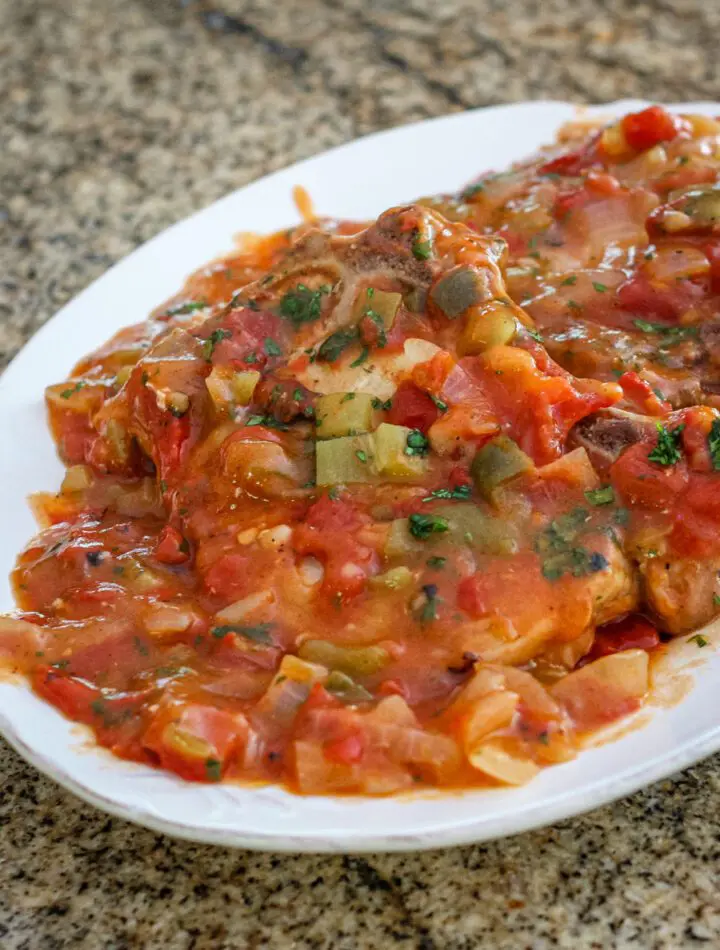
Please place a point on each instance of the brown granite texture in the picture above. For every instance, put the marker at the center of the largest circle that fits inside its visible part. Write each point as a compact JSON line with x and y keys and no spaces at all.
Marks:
{"x":118,"y":118}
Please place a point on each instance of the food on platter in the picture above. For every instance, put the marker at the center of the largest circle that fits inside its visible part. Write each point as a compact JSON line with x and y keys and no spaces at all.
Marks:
{"x":372,"y":507}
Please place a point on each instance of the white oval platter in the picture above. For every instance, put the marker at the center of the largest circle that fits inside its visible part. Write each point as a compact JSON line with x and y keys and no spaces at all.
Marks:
{"x":358,"y":180}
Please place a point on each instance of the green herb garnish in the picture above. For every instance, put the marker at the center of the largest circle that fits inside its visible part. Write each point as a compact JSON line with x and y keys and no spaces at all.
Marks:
{"x":271,"y":347}
{"x":303,"y":305}
{"x":212,"y":341}
{"x":188,"y":307}
{"x":601,"y":496}
{"x":461,"y":493}
{"x":422,"y":526}
{"x":67,"y":393}
{"x":667,"y":449}
{"x":260,"y":632}
{"x":336,"y":344}
{"x":713,"y":440}
{"x":417,"y":443}
{"x":670,"y":334}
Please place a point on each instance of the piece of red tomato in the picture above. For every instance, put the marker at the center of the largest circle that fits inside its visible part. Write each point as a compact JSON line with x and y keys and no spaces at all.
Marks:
{"x":195,"y":741}
{"x":642,"y":396}
{"x":413,"y":408}
{"x":346,"y":751}
{"x":646,"y":483}
{"x":649,"y":127}
{"x":171,"y":547}
{"x":632,"y":633}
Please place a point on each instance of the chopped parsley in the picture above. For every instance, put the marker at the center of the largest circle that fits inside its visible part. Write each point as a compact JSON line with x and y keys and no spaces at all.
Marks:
{"x":569,"y":281}
{"x":436,"y":563}
{"x":213,"y":769}
{"x":428,"y":611}
{"x":670,"y":334}
{"x":472,"y":190}
{"x":270,"y":421}
{"x":379,"y":404}
{"x":417,"y":443}
{"x":439,"y":404}
{"x":332,"y":349}
{"x":67,"y":393}
{"x":303,"y":305}
{"x":713,"y":440}
{"x":667,"y":449}
{"x":716,"y":600}
{"x":699,"y":639}
{"x":361,"y":456}
{"x":364,"y":353}
{"x":271,"y":347}
{"x":534,"y":334}
{"x":601,"y":496}
{"x":560,"y":551}
{"x":375,"y":317}
{"x":217,"y":336}
{"x":260,"y":632}
{"x":601,"y":288}
{"x":422,"y":526}
{"x":461,"y":493}
{"x":189,"y":307}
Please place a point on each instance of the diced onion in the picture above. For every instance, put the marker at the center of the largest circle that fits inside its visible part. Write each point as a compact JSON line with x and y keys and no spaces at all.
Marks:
{"x":240,"y":609}
{"x":498,"y":762}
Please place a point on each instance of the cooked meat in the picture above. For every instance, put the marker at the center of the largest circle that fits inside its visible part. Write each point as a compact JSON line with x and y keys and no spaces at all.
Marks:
{"x":681,"y":592}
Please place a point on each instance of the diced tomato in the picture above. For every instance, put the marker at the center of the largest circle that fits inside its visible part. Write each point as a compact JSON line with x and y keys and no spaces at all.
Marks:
{"x":113,"y":716}
{"x":333,"y":514}
{"x":228,"y":576}
{"x":319,"y":698}
{"x":430,"y":376}
{"x":632,"y":633}
{"x":696,"y":530}
{"x":413,"y":408}
{"x":641,"y":395}
{"x":243,"y":332}
{"x":117,"y":657}
{"x":570,"y":200}
{"x":171,"y":547}
{"x":713,"y":254}
{"x":646,"y":483}
{"x":327,"y":533}
{"x":392,"y":687}
{"x":643,"y":130}
{"x":640,"y":297}
{"x":195,"y":741}
{"x":72,"y":696}
{"x":573,"y":162}
{"x":345,"y":751}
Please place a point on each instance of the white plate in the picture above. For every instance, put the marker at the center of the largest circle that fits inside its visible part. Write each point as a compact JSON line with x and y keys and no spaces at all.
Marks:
{"x":357,"y":180}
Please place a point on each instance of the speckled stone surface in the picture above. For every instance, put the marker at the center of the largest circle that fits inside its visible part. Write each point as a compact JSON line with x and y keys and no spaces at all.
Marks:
{"x":117,"y":119}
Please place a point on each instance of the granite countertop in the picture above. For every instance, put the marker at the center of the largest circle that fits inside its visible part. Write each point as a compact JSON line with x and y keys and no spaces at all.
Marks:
{"x":120,"y":118}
